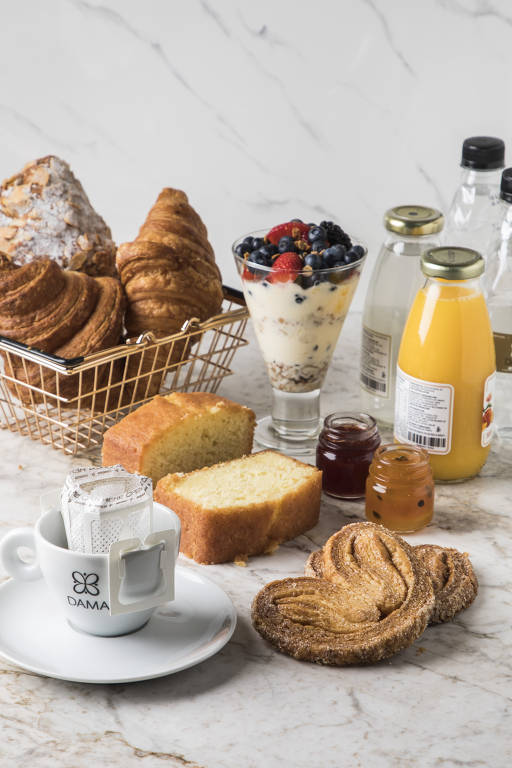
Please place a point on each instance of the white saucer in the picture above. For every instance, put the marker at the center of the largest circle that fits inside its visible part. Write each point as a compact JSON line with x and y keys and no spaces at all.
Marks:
{"x":35,"y":636}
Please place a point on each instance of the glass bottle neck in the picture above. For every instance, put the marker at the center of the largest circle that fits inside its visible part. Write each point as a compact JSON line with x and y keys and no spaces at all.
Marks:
{"x":453,"y":288}
{"x":473,"y":177}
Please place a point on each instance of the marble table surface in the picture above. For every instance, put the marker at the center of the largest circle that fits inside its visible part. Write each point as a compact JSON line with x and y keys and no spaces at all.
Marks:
{"x":445,"y":701}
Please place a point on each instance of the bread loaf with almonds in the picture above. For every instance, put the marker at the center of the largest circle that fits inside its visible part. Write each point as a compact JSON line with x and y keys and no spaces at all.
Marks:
{"x":44,"y":212}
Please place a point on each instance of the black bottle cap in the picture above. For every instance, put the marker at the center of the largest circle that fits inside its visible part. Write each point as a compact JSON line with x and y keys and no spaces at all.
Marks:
{"x":483,"y":153}
{"x":506,"y":185}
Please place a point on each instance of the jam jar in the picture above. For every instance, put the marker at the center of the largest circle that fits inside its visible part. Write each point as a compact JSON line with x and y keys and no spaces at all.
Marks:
{"x":344,"y":453}
{"x":400,"y":488}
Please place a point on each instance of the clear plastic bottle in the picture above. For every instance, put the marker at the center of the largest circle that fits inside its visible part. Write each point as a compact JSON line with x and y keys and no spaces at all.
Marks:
{"x":499,"y":289}
{"x":395,"y":280}
{"x":472,"y":218}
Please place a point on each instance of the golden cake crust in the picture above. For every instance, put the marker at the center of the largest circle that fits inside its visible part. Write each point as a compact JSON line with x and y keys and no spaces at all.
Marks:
{"x":131,"y":441}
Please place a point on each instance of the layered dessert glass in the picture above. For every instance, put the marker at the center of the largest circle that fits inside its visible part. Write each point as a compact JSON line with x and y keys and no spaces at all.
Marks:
{"x":297,"y":317}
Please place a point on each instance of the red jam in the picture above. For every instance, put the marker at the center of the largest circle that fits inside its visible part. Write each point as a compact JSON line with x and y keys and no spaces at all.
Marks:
{"x":344,"y":453}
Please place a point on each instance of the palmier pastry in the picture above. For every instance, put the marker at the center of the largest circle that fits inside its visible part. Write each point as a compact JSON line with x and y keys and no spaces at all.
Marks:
{"x":453,"y":579}
{"x":169,"y":271}
{"x":44,"y":212}
{"x":378,"y":603}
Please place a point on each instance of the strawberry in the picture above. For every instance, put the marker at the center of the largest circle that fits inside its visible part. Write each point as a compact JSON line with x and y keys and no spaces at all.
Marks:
{"x":248,"y":275}
{"x":296,"y":229}
{"x":286,"y":268}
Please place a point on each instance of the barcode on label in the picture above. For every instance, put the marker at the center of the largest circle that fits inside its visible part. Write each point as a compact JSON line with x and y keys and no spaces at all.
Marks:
{"x":426,"y":440}
{"x":379,"y":386}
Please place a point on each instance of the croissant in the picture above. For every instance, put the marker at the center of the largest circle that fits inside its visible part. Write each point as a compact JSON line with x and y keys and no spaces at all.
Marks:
{"x":66,"y":313}
{"x":451,"y":573}
{"x":169,"y":271}
{"x":379,"y":601}
{"x":44,"y":212}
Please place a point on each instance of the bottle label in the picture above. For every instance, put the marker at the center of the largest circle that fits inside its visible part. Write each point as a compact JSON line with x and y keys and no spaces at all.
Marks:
{"x":503,"y":348}
{"x":375,"y":362}
{"x":488,"y":410}
{"x":423,"y":413}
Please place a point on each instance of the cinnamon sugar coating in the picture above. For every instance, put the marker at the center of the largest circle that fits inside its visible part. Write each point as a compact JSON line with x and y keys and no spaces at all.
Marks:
{"x":453,"y":579}
{"x":378,"y":601}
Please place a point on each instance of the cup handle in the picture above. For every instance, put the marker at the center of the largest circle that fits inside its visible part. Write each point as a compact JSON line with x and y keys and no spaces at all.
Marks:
{"x":10,"y":558}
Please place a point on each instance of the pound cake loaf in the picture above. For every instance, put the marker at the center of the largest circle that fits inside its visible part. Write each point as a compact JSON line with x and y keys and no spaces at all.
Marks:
{"x":179,"y":432}
{"x":242,"y":507}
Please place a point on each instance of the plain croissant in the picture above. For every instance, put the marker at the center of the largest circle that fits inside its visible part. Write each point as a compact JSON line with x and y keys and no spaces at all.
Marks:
{"x":169,"y":271}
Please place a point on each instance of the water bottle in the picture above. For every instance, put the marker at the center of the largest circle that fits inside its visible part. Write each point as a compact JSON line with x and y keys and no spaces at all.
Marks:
{"x":472,"y":218}
{"x":499,"y":301}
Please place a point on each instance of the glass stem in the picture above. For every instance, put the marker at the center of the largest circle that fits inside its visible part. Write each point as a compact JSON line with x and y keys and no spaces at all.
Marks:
{"x":296,"y":415}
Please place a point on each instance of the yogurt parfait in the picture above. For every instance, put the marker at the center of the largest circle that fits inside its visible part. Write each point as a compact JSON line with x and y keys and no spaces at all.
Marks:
{"x":298,"y":281}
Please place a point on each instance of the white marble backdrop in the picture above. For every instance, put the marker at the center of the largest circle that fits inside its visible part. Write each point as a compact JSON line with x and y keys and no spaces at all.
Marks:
{"x":261,"y":111}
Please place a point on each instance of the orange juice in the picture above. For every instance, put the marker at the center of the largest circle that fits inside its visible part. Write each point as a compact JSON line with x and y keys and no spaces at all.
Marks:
{"x":446,"y":367}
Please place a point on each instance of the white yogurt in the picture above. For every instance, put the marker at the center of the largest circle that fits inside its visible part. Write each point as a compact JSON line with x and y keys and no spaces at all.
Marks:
{"x":297,"y":329}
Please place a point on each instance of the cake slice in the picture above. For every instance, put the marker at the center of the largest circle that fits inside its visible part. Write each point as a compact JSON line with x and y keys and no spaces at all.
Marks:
{"x":242,"y":507}
{"x":178,"y":433}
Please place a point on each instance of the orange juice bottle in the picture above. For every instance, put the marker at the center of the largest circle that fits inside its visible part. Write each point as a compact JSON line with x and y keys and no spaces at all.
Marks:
{"x":446,"y":367}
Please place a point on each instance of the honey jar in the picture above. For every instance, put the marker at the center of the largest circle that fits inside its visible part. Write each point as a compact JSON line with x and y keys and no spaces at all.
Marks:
{"x":400,"y":488}
{"x":344,"y":453}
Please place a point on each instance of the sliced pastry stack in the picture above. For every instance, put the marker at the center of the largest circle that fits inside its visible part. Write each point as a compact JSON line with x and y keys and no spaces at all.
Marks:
{"x":63,"y":312}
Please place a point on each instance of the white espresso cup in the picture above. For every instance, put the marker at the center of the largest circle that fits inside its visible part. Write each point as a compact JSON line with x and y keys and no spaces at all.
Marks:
{"x":81,"y":583}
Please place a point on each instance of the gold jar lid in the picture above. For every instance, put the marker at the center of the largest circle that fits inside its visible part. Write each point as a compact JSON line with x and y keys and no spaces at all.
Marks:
{"x":414,"y":220}
{"x":452,"y":263}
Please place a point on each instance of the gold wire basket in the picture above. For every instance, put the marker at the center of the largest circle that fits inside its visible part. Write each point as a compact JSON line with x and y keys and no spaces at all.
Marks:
{"x":69,"y":404}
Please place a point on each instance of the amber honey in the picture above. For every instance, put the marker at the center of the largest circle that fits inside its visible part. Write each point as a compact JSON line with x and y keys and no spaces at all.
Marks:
{"x":400,"y":488}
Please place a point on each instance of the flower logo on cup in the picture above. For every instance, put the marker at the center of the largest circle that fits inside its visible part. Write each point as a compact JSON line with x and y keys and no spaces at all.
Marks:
{"x":85,"y":583}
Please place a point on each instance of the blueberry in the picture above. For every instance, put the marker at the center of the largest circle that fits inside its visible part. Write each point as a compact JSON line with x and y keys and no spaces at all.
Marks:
{"x":338,"y":251}
{"x":257,"y":257}
{"x":299,"y":299}
{"x":247,"y":242}
{"x":268,"y":251}
{"x":316,"y":233}
{"x":328,"y":257}
{"x":351,"y":256}
{"x":358,"y":250}
{"x":318,"y":245}
{"x":286,"y":244}
{"x":257,"y":242}
{"x":313,"y":260}
{"x":241,"y":249}
{"x":298,"y":221}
